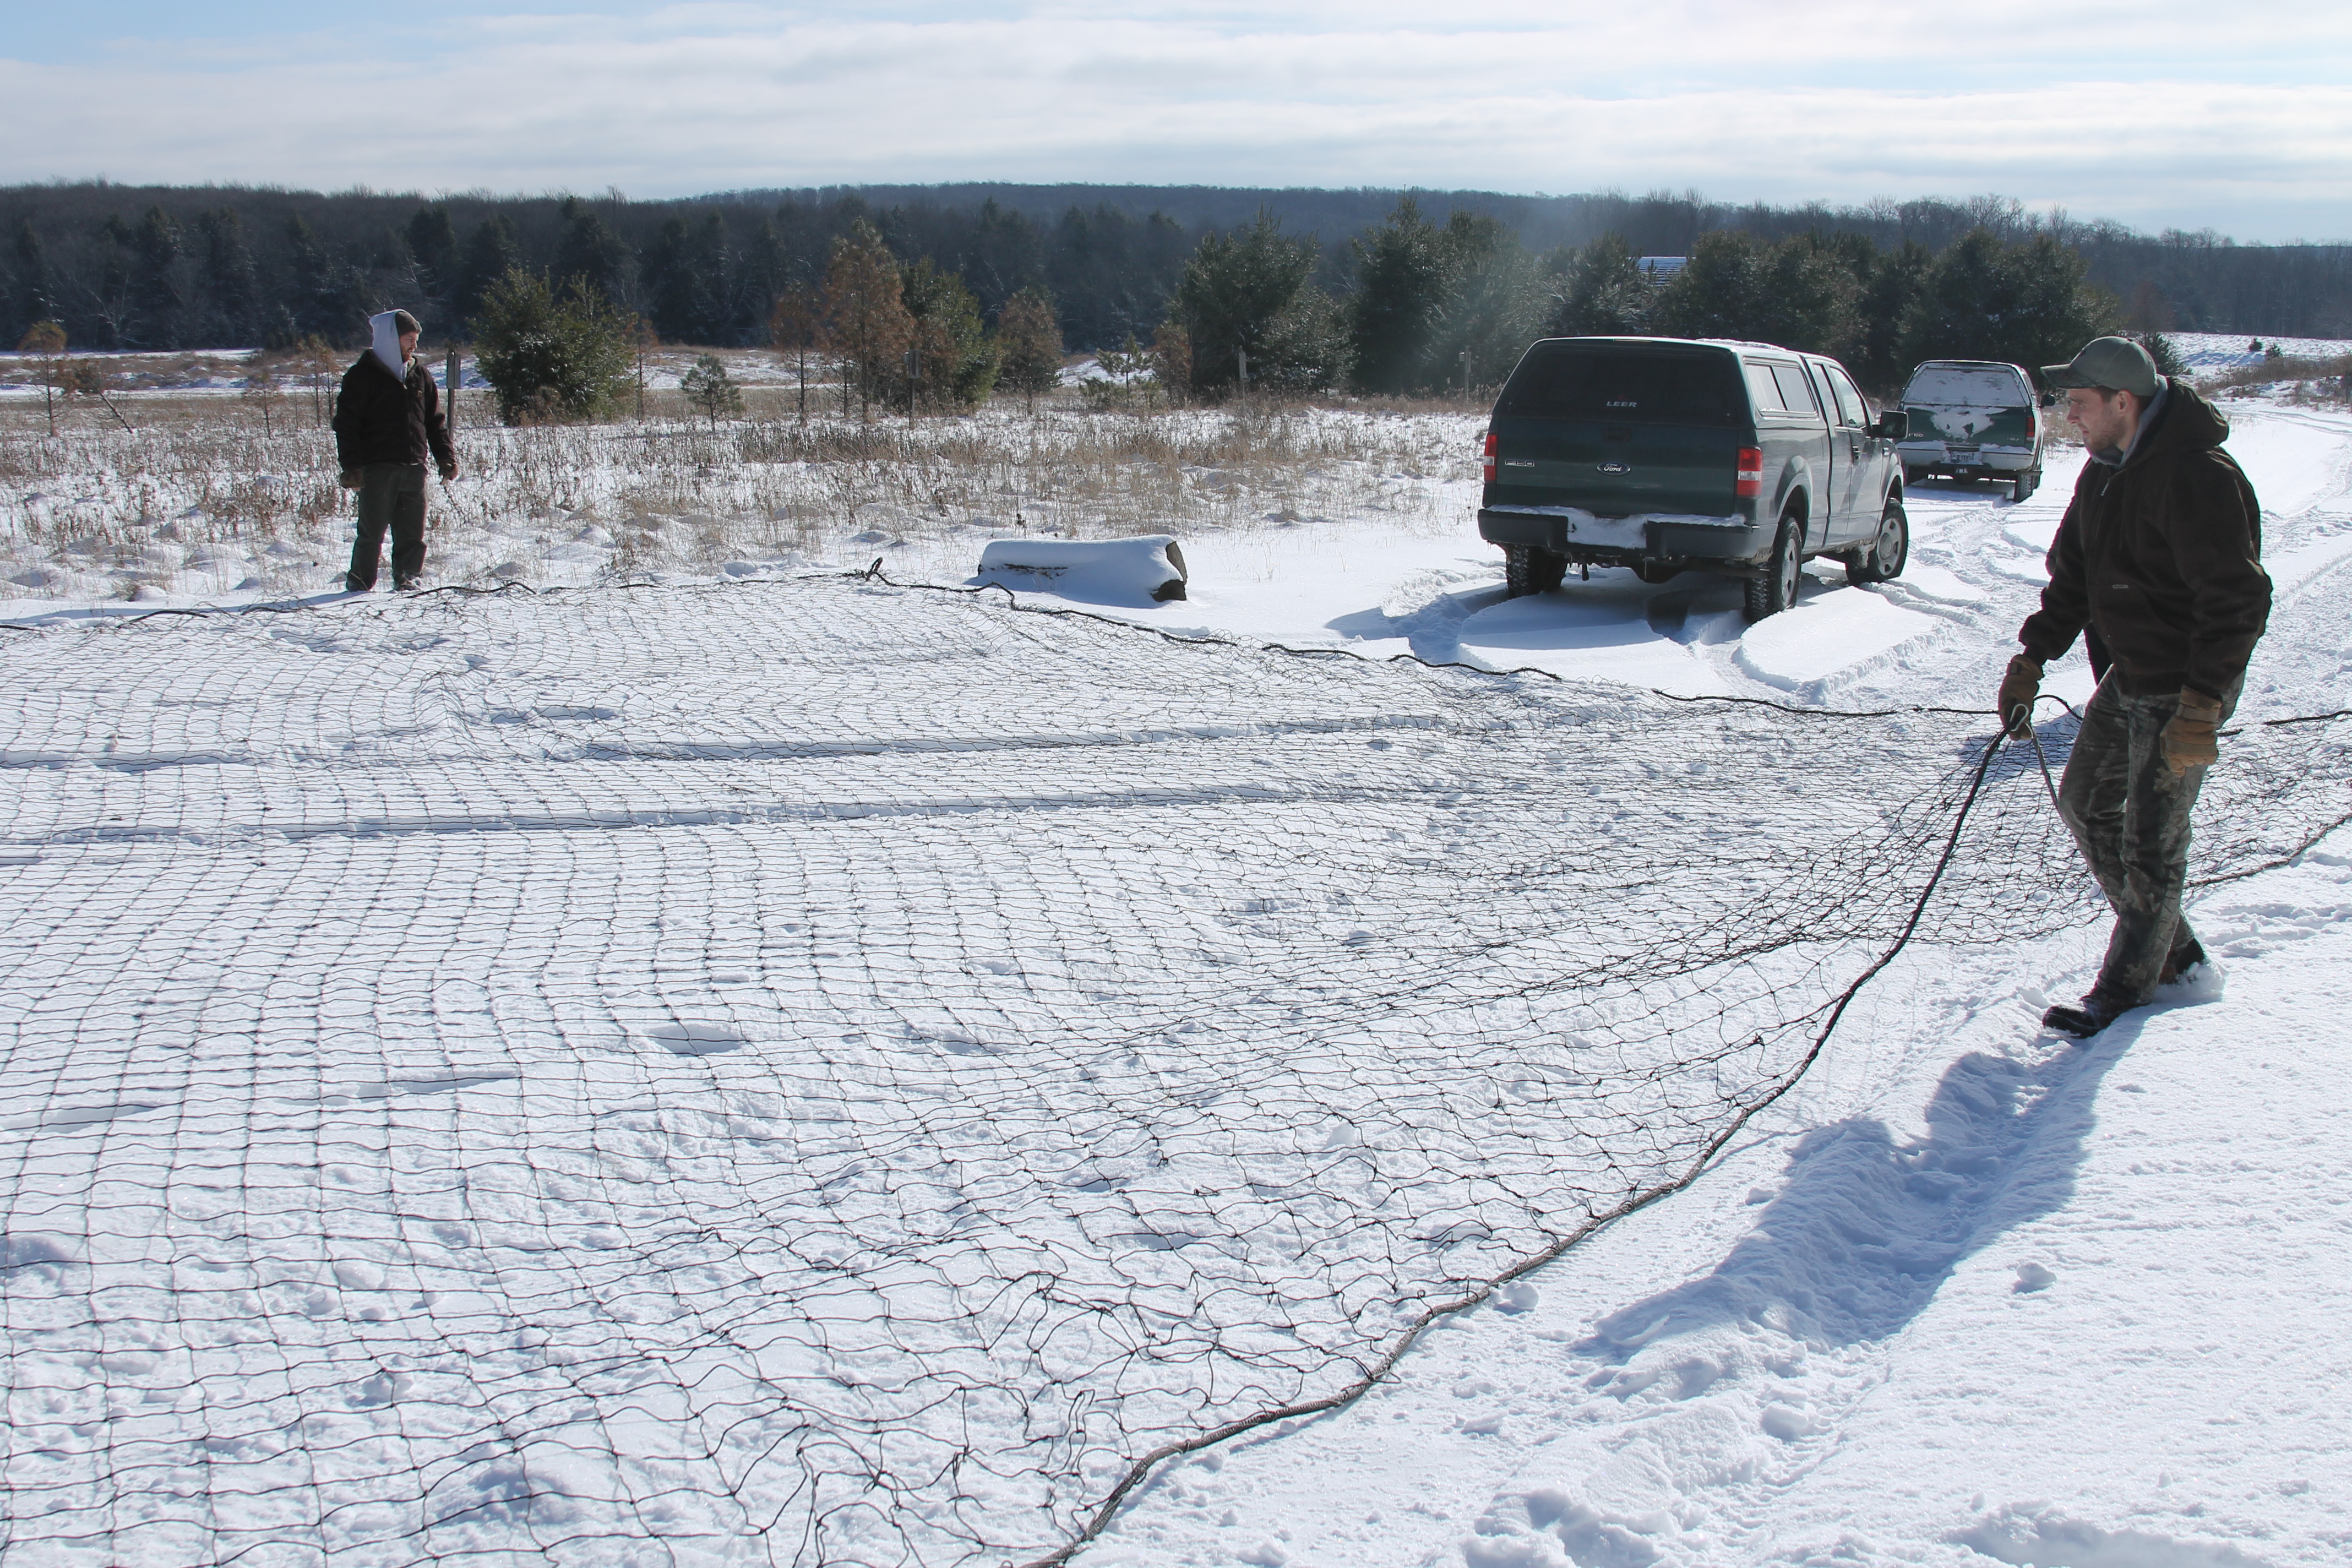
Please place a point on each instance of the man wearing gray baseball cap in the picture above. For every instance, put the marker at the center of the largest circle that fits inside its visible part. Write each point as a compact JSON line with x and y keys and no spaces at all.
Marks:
{"x":2160,"y":552}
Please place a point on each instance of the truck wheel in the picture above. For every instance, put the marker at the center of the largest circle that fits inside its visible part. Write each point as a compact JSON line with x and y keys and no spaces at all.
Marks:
{"x":1530,"y":569}
{"x":1888,"y":553}
{"x":2028,"y":481}
{"x":1775,"y":588}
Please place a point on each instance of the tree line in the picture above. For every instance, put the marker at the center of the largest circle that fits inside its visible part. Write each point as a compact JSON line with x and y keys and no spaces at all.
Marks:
{"x":931,"y":307}
{"x":179,"y":268}
{"x":1432,"y":305}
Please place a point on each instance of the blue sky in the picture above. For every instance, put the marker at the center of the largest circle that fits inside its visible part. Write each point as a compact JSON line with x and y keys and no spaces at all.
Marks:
{"x":2152,"y":113}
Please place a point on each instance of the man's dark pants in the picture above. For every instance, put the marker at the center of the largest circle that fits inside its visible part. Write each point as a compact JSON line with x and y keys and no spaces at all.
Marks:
{"x":392,"y":497}
{"x":2129,"y":812}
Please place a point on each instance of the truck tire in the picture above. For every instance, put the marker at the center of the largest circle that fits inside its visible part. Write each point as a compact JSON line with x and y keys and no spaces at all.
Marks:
{"x":1774,"y":589}
{"x":2028,"y":481}
{"x":1530,"y":569}
{"x":1886,"y":556}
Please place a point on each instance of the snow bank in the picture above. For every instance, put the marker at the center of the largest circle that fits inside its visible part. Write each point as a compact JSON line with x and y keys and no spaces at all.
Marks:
{"x":1612,"y":628}
{"x":1146,"y":569}
{"x":1843,"y":632}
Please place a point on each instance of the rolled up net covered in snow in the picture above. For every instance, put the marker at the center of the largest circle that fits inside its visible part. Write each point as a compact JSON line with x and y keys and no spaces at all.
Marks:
{"x":821,"y":1072}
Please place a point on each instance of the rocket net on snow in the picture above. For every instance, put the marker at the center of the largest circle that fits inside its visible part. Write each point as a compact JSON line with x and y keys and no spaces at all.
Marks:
{"x":821,"y":1072}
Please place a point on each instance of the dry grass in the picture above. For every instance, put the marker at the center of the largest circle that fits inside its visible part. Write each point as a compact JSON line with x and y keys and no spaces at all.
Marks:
{"x":2326,"y":382}
{"x":200,"y":497}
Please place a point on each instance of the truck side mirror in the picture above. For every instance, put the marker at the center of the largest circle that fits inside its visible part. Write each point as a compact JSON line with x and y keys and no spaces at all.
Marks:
{"x":2048,"y":397}
{"x":1895,"y":424}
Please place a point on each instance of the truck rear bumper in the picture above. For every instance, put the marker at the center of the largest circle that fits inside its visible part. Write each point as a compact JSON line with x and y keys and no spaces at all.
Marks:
{"x":1581,"y":536}
{"x":1934,"y":457}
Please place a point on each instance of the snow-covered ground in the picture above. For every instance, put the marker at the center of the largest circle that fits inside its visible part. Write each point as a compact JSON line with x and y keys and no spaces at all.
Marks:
{"x":771,"y":1066}
{"x":2206,"y":353}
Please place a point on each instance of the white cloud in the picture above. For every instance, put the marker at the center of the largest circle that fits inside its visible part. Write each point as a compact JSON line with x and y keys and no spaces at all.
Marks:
{"x":2146,"y":112}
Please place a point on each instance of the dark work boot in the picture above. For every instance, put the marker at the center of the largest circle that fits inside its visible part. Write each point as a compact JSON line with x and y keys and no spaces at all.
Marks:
{"x":351,"y":585}
{"x":2085,"y":1018}
{"x":2183,"y":963}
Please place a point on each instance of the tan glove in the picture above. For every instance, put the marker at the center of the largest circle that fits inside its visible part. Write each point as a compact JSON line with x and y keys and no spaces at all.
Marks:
{"x":2019,"y":687}
{"x":2188,"y":737}
{"x":351,"y":479}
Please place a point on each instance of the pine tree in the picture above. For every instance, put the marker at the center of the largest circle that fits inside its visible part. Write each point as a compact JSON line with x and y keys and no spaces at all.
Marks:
{"x":2025,"y":304}
{"x":594,"y":253}
{"x":432,"y":241}
{"x":159,"y":292}
{"x":685,"y":281}
{"x":708,"y":387}
{"x":550,"y":355}
{"x":493,"y":251}
{"x":1029,"y":344}
{"x":1796,"y":294}
{"x":1492,"y":308}
{"x":955,"y":362}
{"x":1896,"y":280}
{"x":866,"y":315}
{"x":1241,"y":294}
{"x":1404,"y":270}
{"x":1599,"y":291}
{"x":32,"y":292}
{"x":232,"y":292}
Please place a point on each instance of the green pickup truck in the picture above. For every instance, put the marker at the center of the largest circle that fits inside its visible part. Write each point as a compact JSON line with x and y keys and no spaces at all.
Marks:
{"x":1667,"y":454}
{"x":1973,"y":418}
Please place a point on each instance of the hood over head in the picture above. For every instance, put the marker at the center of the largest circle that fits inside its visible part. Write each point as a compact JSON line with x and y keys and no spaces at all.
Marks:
{"x":387,"y":326}
{"x":2181,"y":418}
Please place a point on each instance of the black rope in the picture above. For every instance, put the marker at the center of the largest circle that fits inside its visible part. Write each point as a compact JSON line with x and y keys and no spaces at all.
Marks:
{"x":1141,"y":1470}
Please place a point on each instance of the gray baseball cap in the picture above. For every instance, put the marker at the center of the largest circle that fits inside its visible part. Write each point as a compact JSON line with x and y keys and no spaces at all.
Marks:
{"x":2117,"y":363}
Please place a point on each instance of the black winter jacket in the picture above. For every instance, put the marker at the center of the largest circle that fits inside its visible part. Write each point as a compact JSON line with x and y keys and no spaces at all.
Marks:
{"x":2163,"y":556}
{"x":381,"y":419}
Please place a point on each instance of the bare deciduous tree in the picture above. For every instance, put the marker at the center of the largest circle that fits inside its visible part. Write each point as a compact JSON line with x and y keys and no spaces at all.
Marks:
{"x":796,"y":331}
{"x":46,"y":344}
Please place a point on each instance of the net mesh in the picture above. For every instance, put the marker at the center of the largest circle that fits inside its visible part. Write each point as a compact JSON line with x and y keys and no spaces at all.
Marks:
{"x":824,"y":1073}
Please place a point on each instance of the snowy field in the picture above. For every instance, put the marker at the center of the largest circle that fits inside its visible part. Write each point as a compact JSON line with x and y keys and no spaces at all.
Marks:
{"x":722,"y":1061}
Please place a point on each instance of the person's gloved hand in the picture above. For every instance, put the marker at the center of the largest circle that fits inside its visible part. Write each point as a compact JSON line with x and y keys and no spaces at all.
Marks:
{"x":448,"y":471}
{"x":351,"y":479}
{"x":2019,"y":687}
{"x":2188,"y":738}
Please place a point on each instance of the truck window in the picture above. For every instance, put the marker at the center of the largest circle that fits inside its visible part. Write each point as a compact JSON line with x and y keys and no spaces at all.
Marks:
{"x":1643,"y":386}
{"x":1967,"y":386}
{"x":1848,"y":401}
{"x":1794,"y":391}
{"x":1766,"y":391}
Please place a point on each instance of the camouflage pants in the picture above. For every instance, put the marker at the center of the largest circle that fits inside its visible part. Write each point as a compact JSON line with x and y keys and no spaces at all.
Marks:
{"x":2129,"y":812}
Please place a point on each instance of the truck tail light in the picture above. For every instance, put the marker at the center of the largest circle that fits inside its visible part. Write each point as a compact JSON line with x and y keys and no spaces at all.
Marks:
{"x":1748,"y":481}
{"x":1490,"y":457}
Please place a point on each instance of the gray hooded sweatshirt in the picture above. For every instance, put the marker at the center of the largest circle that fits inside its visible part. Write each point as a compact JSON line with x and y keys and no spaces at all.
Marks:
{"x":386,"y":347}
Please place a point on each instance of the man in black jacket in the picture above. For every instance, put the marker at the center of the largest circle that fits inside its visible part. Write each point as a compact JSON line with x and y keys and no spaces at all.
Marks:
{"x":2160,"y":551}
{"x":387,"y":424}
